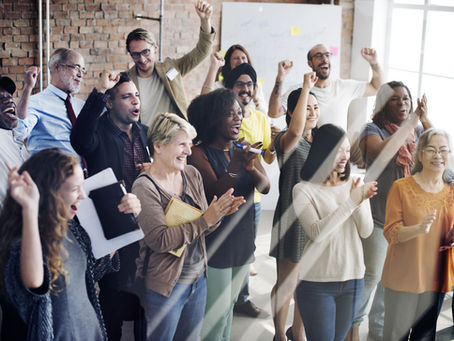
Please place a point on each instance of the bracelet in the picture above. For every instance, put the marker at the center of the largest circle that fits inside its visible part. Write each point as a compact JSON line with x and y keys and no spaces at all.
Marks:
{"x":207,"y":87}
{"x":373,"y":65}
{"x":232,"y":175}
{"x":272,"y":152}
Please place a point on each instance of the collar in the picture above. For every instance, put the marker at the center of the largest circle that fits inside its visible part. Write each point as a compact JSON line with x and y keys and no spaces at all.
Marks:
{"x":57,"y":92}
{"x":118,"y":131}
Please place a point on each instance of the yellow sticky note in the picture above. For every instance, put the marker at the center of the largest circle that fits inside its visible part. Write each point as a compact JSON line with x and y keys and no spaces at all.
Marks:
{"x":222,"y":53}
{"x":261,"y":80}
{"x":295,"y":31}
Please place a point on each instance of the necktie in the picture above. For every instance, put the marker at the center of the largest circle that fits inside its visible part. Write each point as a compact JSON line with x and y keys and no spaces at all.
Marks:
{"x":70,"y":110}
{"x":72,"y":118}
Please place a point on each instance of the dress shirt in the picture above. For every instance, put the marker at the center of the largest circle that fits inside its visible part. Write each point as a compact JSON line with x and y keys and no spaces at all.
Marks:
{"x":47,"y":124}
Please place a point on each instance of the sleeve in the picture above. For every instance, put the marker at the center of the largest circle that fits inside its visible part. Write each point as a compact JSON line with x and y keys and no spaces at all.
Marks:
{"x":370,"y":129}
{"x":158,"y":236}
{"x":394,"y":214}
{"x":362,"y":217}
{"x":25,"y":126}
{"x":266,"y":131}
{"x":194,"y":57}
{"x":353,"y":88}
{"x":84,"y":137}
{"x":29,"y":303}
{"x":318,"y":228}
{"x":261,"y":104}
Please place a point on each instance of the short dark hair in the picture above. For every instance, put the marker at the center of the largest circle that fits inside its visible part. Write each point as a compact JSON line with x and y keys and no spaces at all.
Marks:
{"x":227,"y":68}
{"x":112,"y":92}
{"x":381,"y":116}
{"x":207,"y":111}
{"x":328,"y":137}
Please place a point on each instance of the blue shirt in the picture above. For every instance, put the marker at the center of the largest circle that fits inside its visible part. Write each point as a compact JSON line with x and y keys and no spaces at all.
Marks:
{"x":47,"y":124}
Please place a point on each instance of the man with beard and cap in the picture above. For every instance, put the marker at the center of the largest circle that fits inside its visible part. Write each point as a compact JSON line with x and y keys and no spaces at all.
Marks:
{"x":52,"y":112}
{"x":254,"y":128}
{"x":13,"y":153}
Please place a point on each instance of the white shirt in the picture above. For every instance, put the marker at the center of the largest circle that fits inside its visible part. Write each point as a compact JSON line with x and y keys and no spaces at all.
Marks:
{"x":13,"y":151}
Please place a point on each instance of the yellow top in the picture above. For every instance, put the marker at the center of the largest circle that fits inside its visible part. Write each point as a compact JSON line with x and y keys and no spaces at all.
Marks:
{"x":417,"y":265}
{"x":256,"y":128}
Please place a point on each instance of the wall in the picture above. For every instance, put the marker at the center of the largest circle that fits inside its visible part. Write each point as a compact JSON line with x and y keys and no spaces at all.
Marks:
{"x":98,"y":28}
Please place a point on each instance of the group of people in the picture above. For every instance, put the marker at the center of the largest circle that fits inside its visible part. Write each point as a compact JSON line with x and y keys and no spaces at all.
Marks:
{"x":336,"y":238}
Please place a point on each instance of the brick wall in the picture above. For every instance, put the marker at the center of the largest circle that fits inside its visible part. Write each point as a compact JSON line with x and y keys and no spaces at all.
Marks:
{"x":98,"y":28}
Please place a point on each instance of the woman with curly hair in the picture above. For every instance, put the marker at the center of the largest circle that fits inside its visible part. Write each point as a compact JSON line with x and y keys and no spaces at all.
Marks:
{"x":49,"y":271}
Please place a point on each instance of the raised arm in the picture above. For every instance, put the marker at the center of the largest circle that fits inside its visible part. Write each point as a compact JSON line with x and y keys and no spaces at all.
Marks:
{"x":216,"y":62}
{"x":275,"y":106}
{"x":84,"y":138}
{"x":31,"y":75}
{"x":204,"y":11}
{"x":370,"y":55}
{"x":25,"y":192}
{"x":297,"y":124}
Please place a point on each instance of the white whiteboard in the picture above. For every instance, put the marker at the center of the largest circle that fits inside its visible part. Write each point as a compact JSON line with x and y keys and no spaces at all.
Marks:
{"x":274,"y":32}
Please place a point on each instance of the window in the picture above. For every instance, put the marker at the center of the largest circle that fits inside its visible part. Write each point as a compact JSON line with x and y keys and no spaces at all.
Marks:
{"x":420,"y":54}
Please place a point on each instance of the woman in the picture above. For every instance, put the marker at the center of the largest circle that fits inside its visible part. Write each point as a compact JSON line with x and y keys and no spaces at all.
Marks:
{"x":176,"y":285}
{"x":334,"y":212}
{"x":220,"y":67}
{"x":419,"y":219}
{"x":49,"y":269}
{"x":287,"y":239}
{"x":217,"y":118}
{"x":392,"y":109}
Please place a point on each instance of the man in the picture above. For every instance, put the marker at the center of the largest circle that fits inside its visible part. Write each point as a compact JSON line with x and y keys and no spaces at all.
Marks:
{"x":334,"y":96}
{"x":254,"y":128}
{"x":115,"y":139}
{"x":53,"y":111}
{"x":161,"y":83}
{"x":12,"y":148}
{"x":13,"y":153}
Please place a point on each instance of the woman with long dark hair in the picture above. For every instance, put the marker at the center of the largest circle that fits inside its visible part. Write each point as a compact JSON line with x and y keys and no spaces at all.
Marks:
{"x":335,"y":214}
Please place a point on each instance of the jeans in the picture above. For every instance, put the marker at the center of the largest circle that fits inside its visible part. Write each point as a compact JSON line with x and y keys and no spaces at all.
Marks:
{"x":244,"y":293}
{"x":405,"y":311}
{"x":328,"y":308}
{"x":223,"y":287}
{"x":179,"y":316}
{"x":374,"y":249}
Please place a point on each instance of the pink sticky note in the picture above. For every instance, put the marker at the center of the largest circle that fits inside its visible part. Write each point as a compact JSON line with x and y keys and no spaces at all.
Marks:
{"x":334,"y":50}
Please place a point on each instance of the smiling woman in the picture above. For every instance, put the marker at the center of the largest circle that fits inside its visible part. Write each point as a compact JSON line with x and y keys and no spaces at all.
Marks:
{"x":48,"y":268}
{"x":419,"y":228}
{"x":176,"y":284}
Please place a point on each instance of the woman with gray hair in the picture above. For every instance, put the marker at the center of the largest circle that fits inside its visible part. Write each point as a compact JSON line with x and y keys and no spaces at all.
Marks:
{"x":419,"y":229}
{"x":393,"y":107}
{"x":176,"y":284}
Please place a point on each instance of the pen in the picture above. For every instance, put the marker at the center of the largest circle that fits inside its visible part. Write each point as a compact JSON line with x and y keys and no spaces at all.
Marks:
{"x":252,"y":150}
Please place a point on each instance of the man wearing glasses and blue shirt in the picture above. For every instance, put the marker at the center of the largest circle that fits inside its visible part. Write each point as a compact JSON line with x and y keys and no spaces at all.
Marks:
{"x":52,"y":112}
{"x":160,"y":84}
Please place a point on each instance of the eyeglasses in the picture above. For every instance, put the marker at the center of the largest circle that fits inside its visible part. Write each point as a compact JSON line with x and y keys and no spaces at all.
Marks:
{"x":320,"y":55}
{"x":78,"y":68}
{"x":431,"y":152}
{"x":240,"y":84}
{"x":145,"y":53}
{"x":233,"y":113}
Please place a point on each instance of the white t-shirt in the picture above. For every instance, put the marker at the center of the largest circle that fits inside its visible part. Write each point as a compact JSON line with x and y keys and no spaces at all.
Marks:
{"x":153,"y":98}
{"x":334,"y":100}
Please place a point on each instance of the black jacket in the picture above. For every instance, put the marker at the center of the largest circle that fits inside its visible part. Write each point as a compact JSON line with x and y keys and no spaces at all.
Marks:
{"x":94,"y":138}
